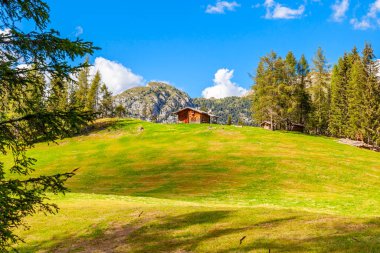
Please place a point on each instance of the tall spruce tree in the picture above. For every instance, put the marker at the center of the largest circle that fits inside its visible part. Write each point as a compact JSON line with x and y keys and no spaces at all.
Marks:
{"x":266,"y":106}
{"x":287,"y":90}
{"x":229,"y":120}
{"x":302,"y":98}
{"x":371,"y":102}
{"x":24,"y":119}
{"x":92,"y":101}
{"x":106,"y":102}
{"x":320,"y":93}
{"x":340,"y":79}
{"x":83,"y":86}
{"x":355,"y":93}
{"x":59,"y":94}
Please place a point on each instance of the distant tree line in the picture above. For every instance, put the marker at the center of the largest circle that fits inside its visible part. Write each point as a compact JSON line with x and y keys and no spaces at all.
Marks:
{"x":81,"y":91}
{"x":344,"y":102}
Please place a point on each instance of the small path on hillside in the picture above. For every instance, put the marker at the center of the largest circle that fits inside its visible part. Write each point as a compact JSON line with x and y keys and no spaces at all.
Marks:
{"x":359,"y":144}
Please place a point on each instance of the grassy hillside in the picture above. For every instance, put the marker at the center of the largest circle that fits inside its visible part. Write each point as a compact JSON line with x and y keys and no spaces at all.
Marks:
{"x":202,"y":188}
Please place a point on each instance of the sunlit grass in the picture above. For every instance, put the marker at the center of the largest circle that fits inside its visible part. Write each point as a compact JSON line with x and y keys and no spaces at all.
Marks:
{"x":246,"y":175}
{"x":106,"y":223}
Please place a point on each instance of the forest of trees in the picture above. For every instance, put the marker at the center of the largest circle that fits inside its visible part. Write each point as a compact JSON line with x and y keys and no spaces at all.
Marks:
{"x":344,"y":102}
{"x":84,"y":92}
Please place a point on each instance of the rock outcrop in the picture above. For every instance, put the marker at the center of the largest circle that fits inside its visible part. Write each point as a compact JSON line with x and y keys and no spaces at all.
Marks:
{"x":154,"y":102}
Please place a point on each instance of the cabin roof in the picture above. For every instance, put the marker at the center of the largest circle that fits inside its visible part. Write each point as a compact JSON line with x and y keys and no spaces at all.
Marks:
{"x":297,"y":124}
{"x":196,"y":110}
{"x":267,"y":122}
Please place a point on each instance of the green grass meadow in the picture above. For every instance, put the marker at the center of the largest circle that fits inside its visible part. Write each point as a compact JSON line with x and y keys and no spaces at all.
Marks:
{"x":207,"y":188}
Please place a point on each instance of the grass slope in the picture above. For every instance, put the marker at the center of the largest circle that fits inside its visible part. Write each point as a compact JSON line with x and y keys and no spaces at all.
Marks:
{"x":203,"y":188}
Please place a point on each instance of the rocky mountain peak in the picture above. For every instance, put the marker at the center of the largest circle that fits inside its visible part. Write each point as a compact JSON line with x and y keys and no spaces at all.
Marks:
{"x":156,"y":101}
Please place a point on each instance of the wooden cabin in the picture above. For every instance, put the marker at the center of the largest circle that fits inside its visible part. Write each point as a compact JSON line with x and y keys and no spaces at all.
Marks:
{"x":297,"y":127}
{"x":268,"y":125}
{"x":190,"y":115}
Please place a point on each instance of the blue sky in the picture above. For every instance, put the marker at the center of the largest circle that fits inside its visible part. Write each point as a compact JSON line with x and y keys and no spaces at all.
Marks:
{"x":187,"y":42}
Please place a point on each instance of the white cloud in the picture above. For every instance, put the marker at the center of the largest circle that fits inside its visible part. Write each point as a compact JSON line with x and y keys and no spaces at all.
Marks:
{"x":269,"y":3}
{"x":275,"y":10}
{"x":374,"y":9}
{"x":223,"y":86}
{"x":363,"y":24}
{"x":78,"y":31}
{"x":221,"y":6}
{"x":339,"y":9}
{"x":117,"y":77}
{"x":370,"y":20}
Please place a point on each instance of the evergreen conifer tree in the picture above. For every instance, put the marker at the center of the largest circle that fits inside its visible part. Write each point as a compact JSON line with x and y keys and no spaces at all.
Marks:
{"x":106,"y":102}
{"x":340,"y":79}
{"x":320,"y":93}
{"x":302,"y":97}
{"x":92,"y":101}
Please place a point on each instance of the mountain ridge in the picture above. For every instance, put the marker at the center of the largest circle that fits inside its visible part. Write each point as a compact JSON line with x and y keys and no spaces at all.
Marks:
{"x":157,"y":101}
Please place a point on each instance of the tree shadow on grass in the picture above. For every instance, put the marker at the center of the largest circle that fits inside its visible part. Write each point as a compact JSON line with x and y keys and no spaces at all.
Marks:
{"x":204,"y":229}
{"x":107,"y":124}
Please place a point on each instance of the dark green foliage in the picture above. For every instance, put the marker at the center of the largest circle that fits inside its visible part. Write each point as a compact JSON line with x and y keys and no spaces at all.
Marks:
{"x":106,"y":108}
{"x":59,"y":94}
{"x":92,"y":101}
{"x":120,"y":111}
{"x":302,"y":104}
{"x":343,"y":103}
{"x":371,"y":98}
{"x":237,"y":107}
{"x":355,"y":93}
{"x":83,"y":86}
{"x":340,"y":80}
{"x":229,"y":120}
{"x":320,"y":94}
{"x":280,"y":93}
{"x":27,"y":114}
{"x":356,"y":97}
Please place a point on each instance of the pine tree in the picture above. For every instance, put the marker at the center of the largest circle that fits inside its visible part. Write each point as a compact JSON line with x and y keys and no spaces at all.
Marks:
{"x":302,"y":97}
{"x":355,"y":93}
{"x":120,"y":111}
{"x":340,"y":79}
{"x":320,"y":91}
{"x":370,"y":122}
{"x":287,"y":89}
{"x":229,"y":120}
{"x":106,"y":102}
{"x":59,"y":94}
{"x":266,"y":102}
{"x":83,"y":86}
{"x":92,"y":102}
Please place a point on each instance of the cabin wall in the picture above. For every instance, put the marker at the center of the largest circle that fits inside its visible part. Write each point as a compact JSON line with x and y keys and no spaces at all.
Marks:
{"x":194,"y":117}
{"x":183,"y":117}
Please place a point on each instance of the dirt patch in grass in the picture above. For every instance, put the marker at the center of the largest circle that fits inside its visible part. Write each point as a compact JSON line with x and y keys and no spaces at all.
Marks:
{"x":114,"y":239}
